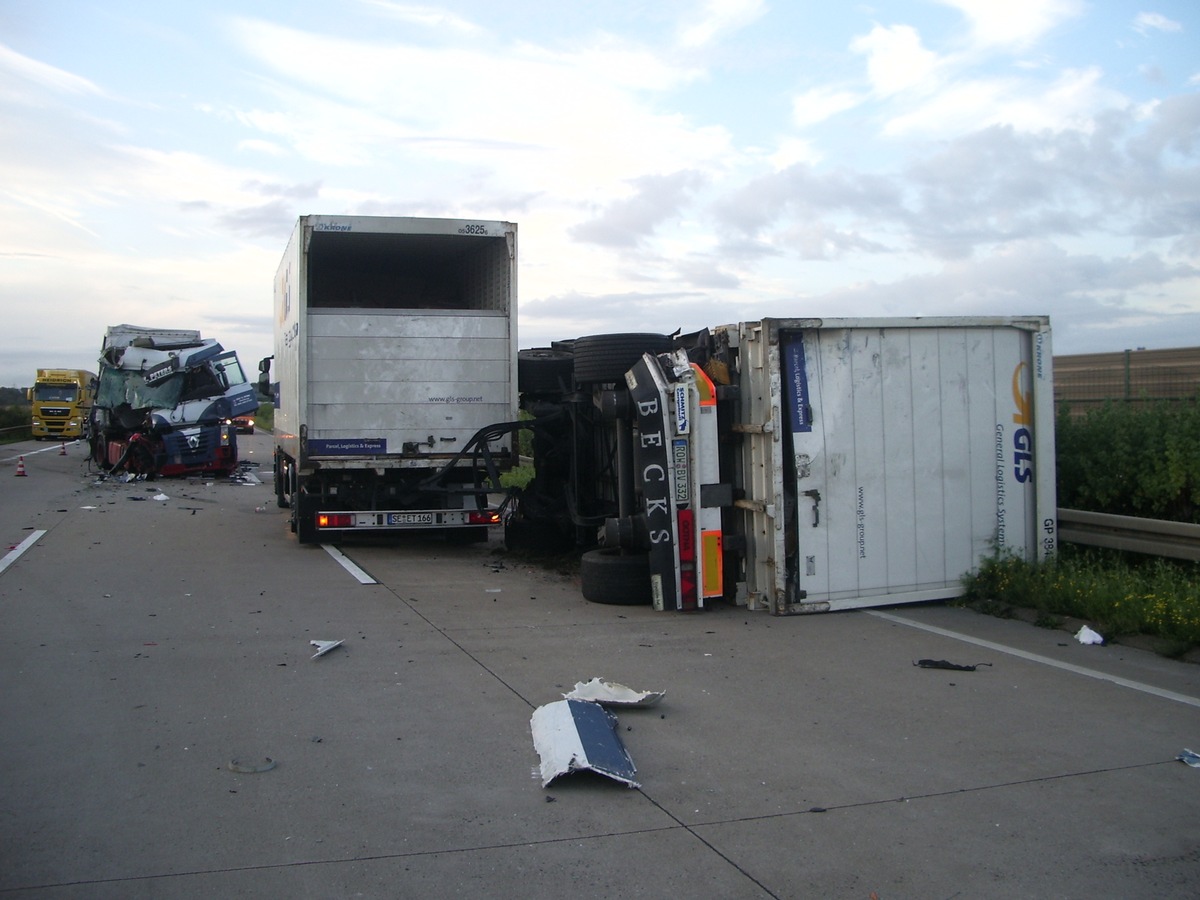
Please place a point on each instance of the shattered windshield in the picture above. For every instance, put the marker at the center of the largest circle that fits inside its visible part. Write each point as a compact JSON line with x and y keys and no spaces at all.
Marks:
{"x":118,"y":386}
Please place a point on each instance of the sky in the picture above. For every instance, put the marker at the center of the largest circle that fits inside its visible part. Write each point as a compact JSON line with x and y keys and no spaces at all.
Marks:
{"x":670,"y":165}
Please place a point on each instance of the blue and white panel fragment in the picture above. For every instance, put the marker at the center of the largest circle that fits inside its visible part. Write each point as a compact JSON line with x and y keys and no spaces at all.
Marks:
{"x":579,"y":735}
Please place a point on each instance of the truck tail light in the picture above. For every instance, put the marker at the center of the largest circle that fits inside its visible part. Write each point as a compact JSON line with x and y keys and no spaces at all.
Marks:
{"x":335,"y":520}
{"x":484,"y":517}
{"x":687,"y":559}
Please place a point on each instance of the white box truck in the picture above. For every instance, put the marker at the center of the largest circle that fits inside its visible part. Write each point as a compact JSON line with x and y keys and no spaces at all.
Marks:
{"x":395,"y":354}
{"x":808,"y":465}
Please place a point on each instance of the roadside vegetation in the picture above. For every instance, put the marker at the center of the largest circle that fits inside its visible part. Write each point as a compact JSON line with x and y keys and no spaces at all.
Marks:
{"x":264,"y":418}
{"x":1124,"y":459}
{"x":15,"y":422}
{"x":520,"y":476}
{"x":1132,"y":460}
{"x":1118,"y":594}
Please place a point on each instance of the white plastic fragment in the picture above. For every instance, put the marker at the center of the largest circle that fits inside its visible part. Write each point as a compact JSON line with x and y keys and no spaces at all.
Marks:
{"x":161,"y":496}
{"x":1085,"y":635}
{"x":324,"y":647}
{"x":608,"y":693}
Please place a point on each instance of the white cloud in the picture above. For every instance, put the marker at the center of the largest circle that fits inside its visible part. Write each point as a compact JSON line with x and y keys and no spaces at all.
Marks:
{"x":1014,"y":23}
{"x":1151,"y":21}
{"x":43,"y":75}
{"x":270,"y":148}
{"x":791,"y":151}
{"x":426,"y":16}
{"x":577,"y":124}
{"x":718,"y":17}
{"x":1071,"y":101}
{"x":818,"y":104}
{"x":896,"y":60}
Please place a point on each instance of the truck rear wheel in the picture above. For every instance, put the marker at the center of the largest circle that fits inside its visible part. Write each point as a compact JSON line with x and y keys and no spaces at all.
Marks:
{"x":608,"y":576}
{"x":544,"y":370}
{"x":601,"y":358}
{"x":281,"y":490}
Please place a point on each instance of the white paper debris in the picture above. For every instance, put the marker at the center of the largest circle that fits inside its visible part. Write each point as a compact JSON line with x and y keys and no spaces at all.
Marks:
{"x":324,"y":647}
{"x":161,"y":497}
{"x":1085,"y":635}
{"x":608,"y":693}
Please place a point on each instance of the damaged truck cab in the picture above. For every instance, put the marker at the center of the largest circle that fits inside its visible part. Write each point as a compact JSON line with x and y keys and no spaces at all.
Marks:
{"x":164,"y":400}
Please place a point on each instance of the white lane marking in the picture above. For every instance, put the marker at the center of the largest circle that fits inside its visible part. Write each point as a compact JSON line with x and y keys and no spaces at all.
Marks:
{"x":1045,"y":660}
{"x":15,"y":553}
{"x":363,"y":577}
{"x":40,"y":450}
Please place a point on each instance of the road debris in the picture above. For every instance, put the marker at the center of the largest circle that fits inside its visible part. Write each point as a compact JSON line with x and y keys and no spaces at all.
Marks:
{"x":1085,"y":635}
{"x":608,"y":693}
{"x":946,"y":664}
{"x":244,"y":767}
{"x":578,"y":735}
{"x":324,"y":647}
{"x":1191,"y":757}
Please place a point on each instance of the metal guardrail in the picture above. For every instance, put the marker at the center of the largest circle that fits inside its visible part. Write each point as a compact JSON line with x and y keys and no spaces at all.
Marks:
{"x":1156,"y":537}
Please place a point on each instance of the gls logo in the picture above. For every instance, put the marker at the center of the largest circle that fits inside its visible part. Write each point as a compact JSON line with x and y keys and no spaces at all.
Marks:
{"x":1022,"y":437}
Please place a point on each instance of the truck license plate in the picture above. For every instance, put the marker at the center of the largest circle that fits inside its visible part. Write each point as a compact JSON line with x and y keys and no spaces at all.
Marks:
{"x":410,"y":518}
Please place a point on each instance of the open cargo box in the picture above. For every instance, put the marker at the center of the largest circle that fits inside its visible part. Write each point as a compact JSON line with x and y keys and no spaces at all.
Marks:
{"x":883,"y":459}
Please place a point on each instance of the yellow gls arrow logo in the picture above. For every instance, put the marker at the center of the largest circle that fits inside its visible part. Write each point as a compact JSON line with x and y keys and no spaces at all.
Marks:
{"x":1022,"y":437}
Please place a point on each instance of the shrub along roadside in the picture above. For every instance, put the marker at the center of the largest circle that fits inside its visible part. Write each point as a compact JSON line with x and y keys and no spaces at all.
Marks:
{"x":1119,"y":594}
{"x":15,"y":424}
{"x":1133,"y":460}
{"x":1124,"y":459}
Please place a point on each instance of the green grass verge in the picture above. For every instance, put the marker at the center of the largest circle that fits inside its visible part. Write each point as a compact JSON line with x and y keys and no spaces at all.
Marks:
{"x":1118,"y":593}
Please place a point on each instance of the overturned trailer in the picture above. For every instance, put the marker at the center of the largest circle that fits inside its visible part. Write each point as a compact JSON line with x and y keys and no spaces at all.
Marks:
{"x":797,"y":465}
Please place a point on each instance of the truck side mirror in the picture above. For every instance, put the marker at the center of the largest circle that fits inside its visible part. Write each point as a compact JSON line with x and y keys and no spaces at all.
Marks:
{"x":264,"y":380}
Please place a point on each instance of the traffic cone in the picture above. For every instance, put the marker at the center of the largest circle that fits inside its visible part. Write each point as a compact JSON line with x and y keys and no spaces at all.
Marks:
{"x":21,"y":466}
{"x":63,"y":450}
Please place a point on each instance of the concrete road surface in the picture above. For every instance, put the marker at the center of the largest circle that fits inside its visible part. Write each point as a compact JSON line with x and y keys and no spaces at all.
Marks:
{"x":157,"y":651}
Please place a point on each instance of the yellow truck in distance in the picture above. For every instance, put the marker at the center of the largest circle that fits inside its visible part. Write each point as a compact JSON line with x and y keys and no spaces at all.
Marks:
{"x":62,"y":401}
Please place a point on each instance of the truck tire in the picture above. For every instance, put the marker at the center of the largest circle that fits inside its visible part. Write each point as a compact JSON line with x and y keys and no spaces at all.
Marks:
{"x":601,"y":358}
{"x":608,"y":576}
{"x":303,"y":508}
{"x":544,"y":370}
{"x":281,"y":492}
